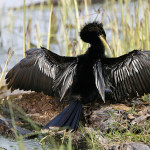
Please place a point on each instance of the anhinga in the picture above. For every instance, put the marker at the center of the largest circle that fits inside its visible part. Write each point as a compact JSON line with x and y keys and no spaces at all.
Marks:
{"x":85,"y":76}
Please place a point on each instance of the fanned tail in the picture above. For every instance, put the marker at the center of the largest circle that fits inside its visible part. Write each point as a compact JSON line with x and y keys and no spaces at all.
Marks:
{"x":68,"y":118}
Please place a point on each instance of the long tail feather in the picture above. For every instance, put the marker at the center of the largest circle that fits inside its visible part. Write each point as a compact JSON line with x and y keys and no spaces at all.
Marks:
{"x":69,"y":117}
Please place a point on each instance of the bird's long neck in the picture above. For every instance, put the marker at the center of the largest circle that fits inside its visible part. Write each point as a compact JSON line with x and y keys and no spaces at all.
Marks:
{"x":96,"y":51}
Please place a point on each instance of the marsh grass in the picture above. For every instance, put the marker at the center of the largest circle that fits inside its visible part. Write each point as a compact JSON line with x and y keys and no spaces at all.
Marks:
{"x":2,"y":74}
{"x":124,"y":133}
{"x":24,"y":21}
{"x":49,"y":29}
{"x":130,"y":29}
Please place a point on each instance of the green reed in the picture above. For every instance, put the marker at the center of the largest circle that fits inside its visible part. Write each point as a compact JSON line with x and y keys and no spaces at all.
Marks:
{"x":2,"y":74}
{"x":24,"y":29}
{"x":49,"y":28}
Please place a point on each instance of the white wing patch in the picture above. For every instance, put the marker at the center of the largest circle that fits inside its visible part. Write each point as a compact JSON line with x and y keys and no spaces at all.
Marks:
{"x":99,"y":80}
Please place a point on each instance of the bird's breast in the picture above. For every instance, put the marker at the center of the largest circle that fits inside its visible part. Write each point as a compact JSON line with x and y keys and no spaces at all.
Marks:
{"x":84,"y":82}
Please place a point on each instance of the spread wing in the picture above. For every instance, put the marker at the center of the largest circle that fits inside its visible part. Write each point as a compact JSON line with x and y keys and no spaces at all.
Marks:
{"x":43,"y":70}
{"x":128,"y":76}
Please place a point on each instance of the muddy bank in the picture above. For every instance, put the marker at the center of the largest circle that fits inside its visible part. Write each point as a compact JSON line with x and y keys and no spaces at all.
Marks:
{"x":99,"y":117}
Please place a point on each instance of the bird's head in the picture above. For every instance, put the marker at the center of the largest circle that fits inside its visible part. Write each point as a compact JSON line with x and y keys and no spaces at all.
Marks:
{"x":94,"y":34}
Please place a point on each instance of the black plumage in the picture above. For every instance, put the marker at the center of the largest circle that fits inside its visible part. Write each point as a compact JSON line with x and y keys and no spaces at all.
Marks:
{"x":87,"y":76}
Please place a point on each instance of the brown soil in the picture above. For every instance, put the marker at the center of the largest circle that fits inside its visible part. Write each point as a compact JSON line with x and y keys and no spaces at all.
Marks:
{"x":41,"y":108}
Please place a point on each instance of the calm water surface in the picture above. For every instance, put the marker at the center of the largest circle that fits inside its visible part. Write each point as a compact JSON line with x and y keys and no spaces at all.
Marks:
{"x":10,"y":144}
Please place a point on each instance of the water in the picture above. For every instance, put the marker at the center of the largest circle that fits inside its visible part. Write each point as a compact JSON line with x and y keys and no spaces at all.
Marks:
{"x":11,"y":27}
{"x":11,"y":144}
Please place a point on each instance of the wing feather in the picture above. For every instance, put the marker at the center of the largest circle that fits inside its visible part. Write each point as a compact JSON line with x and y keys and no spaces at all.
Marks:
{"x":129,"y":75}
{"x":39,"y":70}
{"x":99,"y":80}
{"x":63,"y":82}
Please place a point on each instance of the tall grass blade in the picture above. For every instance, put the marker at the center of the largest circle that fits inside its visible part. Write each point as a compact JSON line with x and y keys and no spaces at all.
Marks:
{"x":24,"y":32}
{"x":49,"y":28}
{"x":5,"y":67}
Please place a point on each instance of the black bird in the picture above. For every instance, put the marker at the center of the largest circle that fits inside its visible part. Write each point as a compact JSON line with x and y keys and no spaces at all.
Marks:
{"x":85,"y":77}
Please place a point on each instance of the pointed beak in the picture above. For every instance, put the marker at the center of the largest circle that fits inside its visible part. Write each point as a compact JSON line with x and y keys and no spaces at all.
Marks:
{"x":105,"y":42}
